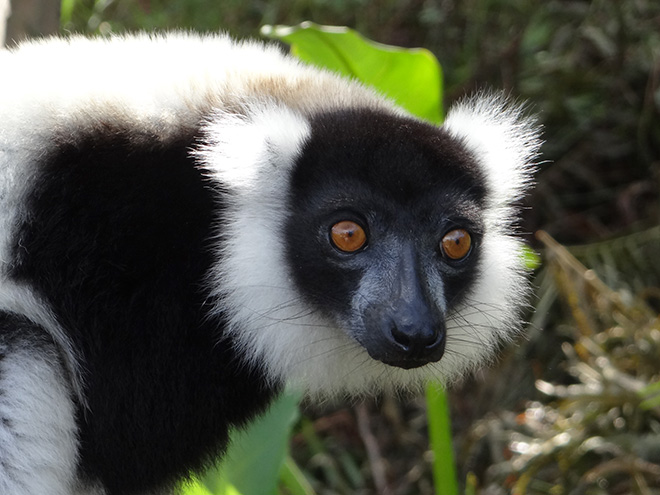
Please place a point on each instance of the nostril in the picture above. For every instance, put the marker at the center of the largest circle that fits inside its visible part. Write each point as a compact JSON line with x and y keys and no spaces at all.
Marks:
{"x":415,"y":340}
{"x":401,"y":338}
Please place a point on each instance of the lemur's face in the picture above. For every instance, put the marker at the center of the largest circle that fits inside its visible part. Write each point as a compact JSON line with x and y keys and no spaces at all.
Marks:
{"x":363,"y":249}
{"x":385,"y":232}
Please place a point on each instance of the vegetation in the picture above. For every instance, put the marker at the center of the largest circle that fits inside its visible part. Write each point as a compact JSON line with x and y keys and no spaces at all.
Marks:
{"x":584,"y":414}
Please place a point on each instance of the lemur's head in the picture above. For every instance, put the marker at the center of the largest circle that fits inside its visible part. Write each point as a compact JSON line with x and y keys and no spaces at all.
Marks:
{"x":364,"y":249}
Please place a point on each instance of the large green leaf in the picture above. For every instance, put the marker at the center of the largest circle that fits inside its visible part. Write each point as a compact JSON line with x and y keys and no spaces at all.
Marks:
{"x":196,"y":488}
{"x":411,"y":77}
{"x":255,"y":457}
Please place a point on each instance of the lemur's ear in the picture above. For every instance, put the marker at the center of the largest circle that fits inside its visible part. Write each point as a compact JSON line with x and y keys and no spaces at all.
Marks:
{"x":504,"y":140}
{"x":258,"y":144}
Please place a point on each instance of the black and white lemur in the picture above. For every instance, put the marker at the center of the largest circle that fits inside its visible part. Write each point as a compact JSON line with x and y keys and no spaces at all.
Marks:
{"x":187,"y":224}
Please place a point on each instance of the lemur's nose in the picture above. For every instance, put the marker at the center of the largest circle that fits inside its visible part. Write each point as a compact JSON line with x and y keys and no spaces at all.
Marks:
{"x":415,"y":343}
{"x":417,"y":338}
{"x":405,"y":329}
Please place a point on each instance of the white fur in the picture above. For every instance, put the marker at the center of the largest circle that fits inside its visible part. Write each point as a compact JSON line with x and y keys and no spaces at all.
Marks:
{"x":38,"y":441}
{"x":504,"y":141}
{"x":19,"y":299}
{"x":156,"y":83}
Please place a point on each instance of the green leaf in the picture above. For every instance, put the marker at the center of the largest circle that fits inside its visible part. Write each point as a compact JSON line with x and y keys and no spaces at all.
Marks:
{"x":195,"y":488}
{"x":650,"y":396}
{"x":231,"y":490}
{"x":66,"y":11}
{"x":255,"y":457}
{"x":444,"y":471}
{"x":293,"y":479}
{"x":531,"y":259}
{"x":411,"y":77}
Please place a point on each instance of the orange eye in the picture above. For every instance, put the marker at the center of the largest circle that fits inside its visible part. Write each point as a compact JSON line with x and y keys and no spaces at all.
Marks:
{"x":348,"y":236}
{"x":456,"y":244}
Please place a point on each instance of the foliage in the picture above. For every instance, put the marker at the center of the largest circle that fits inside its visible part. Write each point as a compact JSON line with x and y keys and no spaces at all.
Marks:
{"x":256,"y":457}
{"x":240,"y":18}
{"x":603,"y":125}
{"x":597,"y":430}
{"x":440,"y":438}
{"x":411,"y":77}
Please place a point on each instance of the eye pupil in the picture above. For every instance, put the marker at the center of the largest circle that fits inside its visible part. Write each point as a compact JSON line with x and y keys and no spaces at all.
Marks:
{"x":348,"y":236}
{"x":456,"y":244}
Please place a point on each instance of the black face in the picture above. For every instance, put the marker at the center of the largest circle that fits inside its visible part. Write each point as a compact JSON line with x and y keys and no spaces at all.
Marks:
{"x":385,"y":230}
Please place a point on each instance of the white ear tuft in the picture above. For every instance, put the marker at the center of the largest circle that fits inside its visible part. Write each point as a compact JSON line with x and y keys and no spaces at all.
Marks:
{"x":504,"y":140}
{"x":253,"y":150}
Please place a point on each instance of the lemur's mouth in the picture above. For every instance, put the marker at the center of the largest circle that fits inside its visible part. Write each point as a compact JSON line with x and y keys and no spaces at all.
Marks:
{"x":407,"y":364}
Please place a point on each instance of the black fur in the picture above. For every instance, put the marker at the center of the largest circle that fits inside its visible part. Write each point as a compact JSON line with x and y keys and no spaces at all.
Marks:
{"x":402,"y":179}
{"x":117,"y":242}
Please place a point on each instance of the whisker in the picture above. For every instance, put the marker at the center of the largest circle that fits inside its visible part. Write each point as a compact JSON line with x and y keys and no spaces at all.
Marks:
{"x":327,"y":352}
